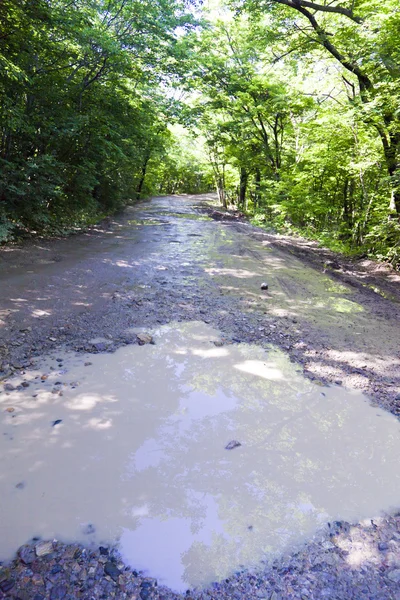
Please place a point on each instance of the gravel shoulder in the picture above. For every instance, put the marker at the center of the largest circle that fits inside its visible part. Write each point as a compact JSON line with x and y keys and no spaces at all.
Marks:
{"x":177,"y":259}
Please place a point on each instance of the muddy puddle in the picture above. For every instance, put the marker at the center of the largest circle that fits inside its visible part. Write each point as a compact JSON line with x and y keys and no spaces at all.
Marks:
{"x":131,"y":448}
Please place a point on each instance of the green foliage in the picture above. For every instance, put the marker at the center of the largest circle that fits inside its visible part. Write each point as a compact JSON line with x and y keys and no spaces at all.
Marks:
{"x":383,"y":241}
{"x":82,"y":114}
{"x":303,"y":102}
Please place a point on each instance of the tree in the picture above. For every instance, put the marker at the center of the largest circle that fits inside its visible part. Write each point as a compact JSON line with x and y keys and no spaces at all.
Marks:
{"x":80,"y":109}
{"x":362,"y":37}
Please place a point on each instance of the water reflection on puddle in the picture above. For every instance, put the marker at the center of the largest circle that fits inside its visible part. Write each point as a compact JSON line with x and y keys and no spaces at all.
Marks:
{"x":140,"y":455}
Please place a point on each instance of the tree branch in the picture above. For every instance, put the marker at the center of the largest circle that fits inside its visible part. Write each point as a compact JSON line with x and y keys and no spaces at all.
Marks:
{"x":340,"y":10}
{"x":323,"y":38}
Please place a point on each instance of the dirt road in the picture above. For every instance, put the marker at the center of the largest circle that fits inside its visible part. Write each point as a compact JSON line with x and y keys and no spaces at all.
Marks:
{"x":167,"y":260}
{"x":177,"y":259}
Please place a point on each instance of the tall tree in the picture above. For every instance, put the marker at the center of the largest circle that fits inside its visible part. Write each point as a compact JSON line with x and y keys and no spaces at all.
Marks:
{"x":80,"y":109}
{"x":362,"y":36}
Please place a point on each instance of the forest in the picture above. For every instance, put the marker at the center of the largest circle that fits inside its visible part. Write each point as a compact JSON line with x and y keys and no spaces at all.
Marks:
{"x":289,"y":109}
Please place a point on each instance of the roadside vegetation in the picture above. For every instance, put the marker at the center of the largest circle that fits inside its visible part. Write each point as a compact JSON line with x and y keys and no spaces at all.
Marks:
{"x":290,"y":109}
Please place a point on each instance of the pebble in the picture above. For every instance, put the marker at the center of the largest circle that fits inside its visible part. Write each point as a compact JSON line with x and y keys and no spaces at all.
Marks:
{"x":264,"y":286}
{"x":27,"y":554}
{"x":88,"y":529}
{"x":9,"y":387}
{"x":7,"y":585}
{"x":394,"y":575}
{"x":112,"y":570}
{"x":58,"y":592}
{"x":233,"y":444}
{"x":43,"y":548}
{"x":144,"y":338}
{"x":56,"y":422}
{"x":382,"y":546}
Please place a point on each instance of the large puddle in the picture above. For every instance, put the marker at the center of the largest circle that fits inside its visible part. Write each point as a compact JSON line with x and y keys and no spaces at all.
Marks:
{"x":134,"y":451}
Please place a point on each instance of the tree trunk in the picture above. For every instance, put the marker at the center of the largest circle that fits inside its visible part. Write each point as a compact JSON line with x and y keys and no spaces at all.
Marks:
{"x":391,"y":156}
{"x":221,"y":191}
{"x":257,"y":186}
{"x":389,"y":133}
{"x":244,"y":176}
{"x":143,"y":177}
{"x":348,"y":195}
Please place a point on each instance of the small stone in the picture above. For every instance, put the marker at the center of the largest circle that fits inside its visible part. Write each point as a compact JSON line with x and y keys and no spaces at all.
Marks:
{"x":56,"y":422}
{"x":44,"y":377}
{"x":52,"y":339}
{"x":26,"y":554}
{"x":56,"y":569}
{"x":112,"y":570}
{"x":44,"y":548}
{"x":25,"y":384}
{"x":88,"y":529}
{"x":329,"y":559}
{"x":87,"y":364}
{"x":264,"y":286}
{"x":218,"y":343}
{"x":10,"y":409}
{"x":103,"y":551}
{"x":20,"y":485}
{"x":233,"y":444}
{"x":382,"y":546}
{"x":100,"y":347}
{"x":7,"y":585}
{"x":58,"y":592}
{"x":37,"y":579}
{"x":144,"y":338}
{"x":394,"y":575}
{"x":332,"y":264}
{"x":9,"y":387}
